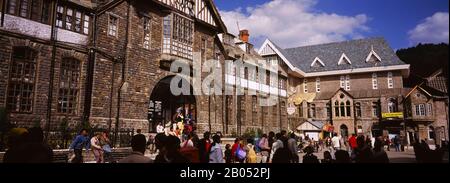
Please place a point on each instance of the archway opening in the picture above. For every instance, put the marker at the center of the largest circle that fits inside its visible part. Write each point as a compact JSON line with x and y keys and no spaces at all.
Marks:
{"x":165,"y":107}
{"x":344,"y":130}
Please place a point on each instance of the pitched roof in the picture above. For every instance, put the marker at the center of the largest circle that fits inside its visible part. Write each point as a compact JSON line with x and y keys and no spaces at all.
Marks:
{"x":356,"y":50}
{"x":437,"y":81}
{"x":317,"y":124}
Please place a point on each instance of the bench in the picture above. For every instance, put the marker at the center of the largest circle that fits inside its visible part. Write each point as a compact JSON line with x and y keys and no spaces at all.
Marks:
{"x":61,"y":158}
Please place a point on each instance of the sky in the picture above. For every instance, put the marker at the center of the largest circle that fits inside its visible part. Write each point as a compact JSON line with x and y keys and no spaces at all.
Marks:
{"x":293,"y":23}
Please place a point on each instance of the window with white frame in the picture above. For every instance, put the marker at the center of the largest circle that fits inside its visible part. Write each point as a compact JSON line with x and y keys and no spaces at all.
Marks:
{"x":390,"y":80}
{"x":347,"y":82}
{"x":178,"y":35}
{"x":318,"y":85}
{"x":374,"y":81}
{"x":70,"y":19}
{"x":86,"y":24}
{"x":420,"y":110}
{"x":147,"y":26}
{"x":375,"y":109}
{"x":59,"y":16}
{"x":112,"y":25}
{"x":342,"y":84}
{"x":305,"y":85}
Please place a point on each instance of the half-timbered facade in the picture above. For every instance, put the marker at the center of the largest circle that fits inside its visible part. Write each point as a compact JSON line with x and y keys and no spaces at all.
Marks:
{"x":104,"y":62}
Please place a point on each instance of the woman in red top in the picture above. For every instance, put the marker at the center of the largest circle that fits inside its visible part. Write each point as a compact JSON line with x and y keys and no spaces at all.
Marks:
{"x":234,"y":148}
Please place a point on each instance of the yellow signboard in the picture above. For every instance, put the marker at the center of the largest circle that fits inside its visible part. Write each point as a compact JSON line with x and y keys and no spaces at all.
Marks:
{"x":392,"y":115}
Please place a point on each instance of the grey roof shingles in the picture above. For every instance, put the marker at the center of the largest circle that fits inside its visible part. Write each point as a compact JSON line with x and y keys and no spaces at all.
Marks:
{"x":356,"y":50}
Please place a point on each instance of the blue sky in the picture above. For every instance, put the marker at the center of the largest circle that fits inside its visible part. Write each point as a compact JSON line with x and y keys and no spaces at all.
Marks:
{"x":403,"y":23}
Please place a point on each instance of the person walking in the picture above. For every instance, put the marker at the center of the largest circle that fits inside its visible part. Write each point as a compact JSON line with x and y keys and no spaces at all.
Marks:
{"x":81,"y":141}
{"x":106,"y":146}
{"x":271,"y":139}
{"x":215,"y":154}
{"x":250,"y":149}
{"x":397,"y":143}
{"x":203,"y":148}
{"x":352,"y":142}
{"x":265,"y":149}
{"x":278,"y":144}
{"x":387,"y":143}
{"x":228,"y":156}
{"x":292,"y":145}
{"x":96,"y":148}
{"x":336,"y":142}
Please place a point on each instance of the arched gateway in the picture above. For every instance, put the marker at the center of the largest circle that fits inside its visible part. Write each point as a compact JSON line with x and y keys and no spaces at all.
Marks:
{"x":163,"y":104}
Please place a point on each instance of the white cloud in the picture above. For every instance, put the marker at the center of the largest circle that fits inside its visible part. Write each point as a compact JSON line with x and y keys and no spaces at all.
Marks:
{"x":433,"y":29}
{"x":292,"y":23}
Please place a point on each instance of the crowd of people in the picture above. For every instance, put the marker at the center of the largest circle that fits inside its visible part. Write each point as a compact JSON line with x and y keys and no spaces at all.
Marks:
{"x":282,"y":147}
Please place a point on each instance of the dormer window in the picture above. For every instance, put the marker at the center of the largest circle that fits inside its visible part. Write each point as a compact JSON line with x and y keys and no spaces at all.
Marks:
{"x":344,"y":60}
{"x":317,"y":63}
{"x":373,"y":57}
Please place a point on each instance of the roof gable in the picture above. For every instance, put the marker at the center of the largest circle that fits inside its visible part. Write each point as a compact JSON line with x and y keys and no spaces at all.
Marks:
{"x":344,"y":59}
{"x":373,"y":56}
{"x":317,"y":63}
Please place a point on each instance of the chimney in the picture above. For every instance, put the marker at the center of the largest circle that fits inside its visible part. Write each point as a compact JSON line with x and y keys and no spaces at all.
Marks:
{"x":244,"y":36}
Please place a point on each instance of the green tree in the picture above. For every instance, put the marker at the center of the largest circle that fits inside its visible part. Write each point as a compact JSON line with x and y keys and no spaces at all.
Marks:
{"x":424,"y":59}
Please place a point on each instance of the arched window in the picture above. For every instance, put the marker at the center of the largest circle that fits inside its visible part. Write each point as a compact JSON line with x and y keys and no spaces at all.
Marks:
{"x":311,"y":110}
{"x":347,"y":108}
{"x":392,"y":105}
{"x":300,"y":110}
{"x":21,"y":80}
{"x":336,"y":109}
{"x":342,"y":108}
{"x":69,"y":86}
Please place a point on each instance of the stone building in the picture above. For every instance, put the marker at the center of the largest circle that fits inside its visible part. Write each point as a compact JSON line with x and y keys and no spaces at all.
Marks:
{"x":108,"y":63}
{"x":426,"y":110}
{"x":348,"y":86}
{"x":247,"y":112}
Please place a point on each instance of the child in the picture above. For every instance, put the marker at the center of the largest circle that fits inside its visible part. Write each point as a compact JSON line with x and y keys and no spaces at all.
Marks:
{"x":228,"y":153}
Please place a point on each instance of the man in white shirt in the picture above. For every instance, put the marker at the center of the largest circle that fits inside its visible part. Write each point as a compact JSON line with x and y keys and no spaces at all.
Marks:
{"x":335,"y":141}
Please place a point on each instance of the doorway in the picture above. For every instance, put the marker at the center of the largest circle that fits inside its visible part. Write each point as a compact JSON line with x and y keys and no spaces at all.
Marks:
{"x":163,"y":105}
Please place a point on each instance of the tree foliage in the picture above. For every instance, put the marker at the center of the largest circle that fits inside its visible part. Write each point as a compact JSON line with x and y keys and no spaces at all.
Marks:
{"x":424,"y":59}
